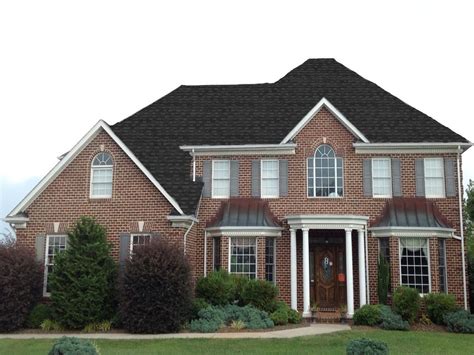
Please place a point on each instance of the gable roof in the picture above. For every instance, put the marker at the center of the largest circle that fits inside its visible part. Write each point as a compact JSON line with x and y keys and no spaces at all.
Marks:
{"x":69,"y":156}
{"x":265,"y":114}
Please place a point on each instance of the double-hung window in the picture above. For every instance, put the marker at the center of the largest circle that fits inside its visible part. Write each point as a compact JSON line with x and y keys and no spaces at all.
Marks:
{"x":55,"y":244}
{"x":270,"y":251}
{"x":270,"y":178}
{"x":243,"y":257}
{"x":216,"y":257}
{"x":414,"y":264}
{"x":434,"y":177}
{"x":101,"y":176}
{"x":443,"y":276}
{"x":325,"y":173}
{"x":381,"y":177}
{"x":137,"y":240}
{"x":220,"y":178}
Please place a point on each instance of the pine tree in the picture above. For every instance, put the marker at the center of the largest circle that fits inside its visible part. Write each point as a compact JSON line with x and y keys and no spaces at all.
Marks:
{"x":83,"y":278}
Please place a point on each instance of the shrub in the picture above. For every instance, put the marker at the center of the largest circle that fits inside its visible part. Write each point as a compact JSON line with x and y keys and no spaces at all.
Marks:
{"x":439,"y":304}
{"x":51,"y":325}
{"x":204,"y":326}
{"x":260,"y":294}
{"x":71,"y":345}
{"x":460,"y":322}
{"x":83,"y":278}
{"x":218,"y":288}
{"x":38,"y":315}
{"x":279,"y":317}
{"x":383,"y":279}
{"x":367,"y":315}
{"x":156,"y":292}
{"x":239,"y":284}
{"x":390,"y":320}
{"x":406,"y":302}
{"x":294,"y":317}
{"x":198,"y":304}
{"x":104,"y":326}
{"x":364,"y":346}
{"x":21,"y":280}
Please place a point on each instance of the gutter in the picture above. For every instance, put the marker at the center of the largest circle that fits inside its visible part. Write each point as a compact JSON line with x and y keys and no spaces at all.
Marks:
{"x":461,"y":228}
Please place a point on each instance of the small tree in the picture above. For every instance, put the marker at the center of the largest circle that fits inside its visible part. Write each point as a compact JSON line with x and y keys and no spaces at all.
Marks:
{"x":383,"y":279}
{"x":20,"y":285}
{"x":83,"y":278}
{"x":156,"y":292}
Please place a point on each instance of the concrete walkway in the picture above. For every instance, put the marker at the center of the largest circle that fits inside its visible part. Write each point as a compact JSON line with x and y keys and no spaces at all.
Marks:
{"x":313,"y":329}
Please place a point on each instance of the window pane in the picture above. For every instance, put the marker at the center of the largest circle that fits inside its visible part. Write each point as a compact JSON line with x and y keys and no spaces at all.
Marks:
{"x":270,"y":259}
{"x":413,"y":254}
{"x":243,"y":257}
{"x":221,"y":178}
{"x":328,"y":170}
{"x":381,"y":177}
{"x":434,"y":177}
{"x":270,"y":178}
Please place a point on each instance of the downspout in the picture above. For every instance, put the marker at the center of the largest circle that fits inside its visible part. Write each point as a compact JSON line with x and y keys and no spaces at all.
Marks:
{"x":367,"y":288}
{"x":461,"y":228}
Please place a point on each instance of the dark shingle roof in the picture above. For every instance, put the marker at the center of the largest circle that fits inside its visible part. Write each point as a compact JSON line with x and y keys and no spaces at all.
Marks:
{"x":264,"y":113}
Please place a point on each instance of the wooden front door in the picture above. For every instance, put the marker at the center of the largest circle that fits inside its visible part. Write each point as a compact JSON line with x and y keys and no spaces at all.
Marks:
{"x":329,"y":275}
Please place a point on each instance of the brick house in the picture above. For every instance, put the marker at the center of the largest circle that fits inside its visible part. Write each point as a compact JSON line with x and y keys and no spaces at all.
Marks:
{"x":302,"y":182}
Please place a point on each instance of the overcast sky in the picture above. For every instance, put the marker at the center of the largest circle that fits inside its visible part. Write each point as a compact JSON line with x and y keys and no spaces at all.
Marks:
{"x":64,"y":66}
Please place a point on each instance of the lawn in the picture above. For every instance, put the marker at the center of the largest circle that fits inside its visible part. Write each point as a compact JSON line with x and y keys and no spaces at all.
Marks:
{"x":412,"y":342}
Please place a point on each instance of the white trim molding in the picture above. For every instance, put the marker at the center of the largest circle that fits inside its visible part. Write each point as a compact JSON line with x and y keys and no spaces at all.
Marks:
{"x":244,"y":231}
{"x":73,"y":153}
{"x":415,"y":147}
{"x":17,"y":222}
{"x":309,"y":116}
{"x":327,"y":221}
{"x":184,"y":221}
{"x":243,"y":149}
{"x":415,"y":232}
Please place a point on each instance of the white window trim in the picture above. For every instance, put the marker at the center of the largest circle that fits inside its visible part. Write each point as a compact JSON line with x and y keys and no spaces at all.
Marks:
{"x":45,"y":272}
{"x":277,"y":178}
{"x":443,"y":194}
{"x":229,"y":254}
{"x":212,"y":179}
{"x":314,"y":179}
{"x":101,"y":167}
{"x":136,"y":235}
{"x":391,"y":178}
{"x":428,"y":256}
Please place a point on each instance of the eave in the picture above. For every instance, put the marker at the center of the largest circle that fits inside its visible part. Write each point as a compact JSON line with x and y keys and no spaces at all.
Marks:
{"x":243,"y":149}
{"x":415,"y":147}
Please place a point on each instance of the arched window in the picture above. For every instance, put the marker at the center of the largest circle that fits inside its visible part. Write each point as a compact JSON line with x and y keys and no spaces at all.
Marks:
{"x":325,"y":173}
{"x":101,"y":176}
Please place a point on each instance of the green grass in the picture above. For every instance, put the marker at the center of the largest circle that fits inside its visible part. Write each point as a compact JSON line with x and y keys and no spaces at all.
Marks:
{"x":399,"y":343}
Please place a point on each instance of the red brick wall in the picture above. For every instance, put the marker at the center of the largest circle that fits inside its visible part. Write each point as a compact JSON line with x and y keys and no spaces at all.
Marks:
{"x":324,"y":127}
{"x":134,"y":199}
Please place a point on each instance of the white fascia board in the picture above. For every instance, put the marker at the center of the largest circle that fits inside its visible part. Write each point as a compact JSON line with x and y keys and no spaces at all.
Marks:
{"x":241,"y":149}
{"x":64,"y":162}
{"x":244,"y":231}
{"x":412,"y":232}
{"x":324,"y":103}
{"x":327,"y":221}
{"x":421,"y":147}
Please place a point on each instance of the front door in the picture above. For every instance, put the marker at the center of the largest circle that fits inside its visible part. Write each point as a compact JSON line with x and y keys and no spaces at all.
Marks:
{"x":328,"y":281}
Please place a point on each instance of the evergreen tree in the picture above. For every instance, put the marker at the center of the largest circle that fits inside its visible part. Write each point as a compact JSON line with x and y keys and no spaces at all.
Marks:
{"x":83,"y":278}
{"x":383,"y":279}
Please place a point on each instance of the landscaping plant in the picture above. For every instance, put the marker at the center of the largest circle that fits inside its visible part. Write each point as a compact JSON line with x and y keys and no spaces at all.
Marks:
{"x":391,"y":320}
{"x":156,"y":290}
{"x":218,"y":288}
{"x":383,"y":279}
{"x":21,"y":280}
{"x":38,"y":315}
{"x":83,"y":280}
{"x":460,"y":322}
{"x":260,"y":294}
{"x":368,"y":315}
{"x":406,"y":302}
{"x":438,"y":305}
{"x":364,"y":346}
{"x":71,"y":345}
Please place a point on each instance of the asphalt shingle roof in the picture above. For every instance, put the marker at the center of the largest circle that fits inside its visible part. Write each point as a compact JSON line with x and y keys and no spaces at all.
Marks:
{"x":264,"y":113}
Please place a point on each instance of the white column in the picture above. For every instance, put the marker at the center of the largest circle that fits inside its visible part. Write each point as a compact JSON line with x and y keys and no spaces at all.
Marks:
{"x":361,"y":249}
{"x":306,"y":305}
{"x":293,"y":268}
{"x":349,"y":274}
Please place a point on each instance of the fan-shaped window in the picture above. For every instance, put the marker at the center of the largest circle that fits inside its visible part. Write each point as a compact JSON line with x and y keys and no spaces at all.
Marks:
{"x":101,"y":176}
{"x":325,"y":173}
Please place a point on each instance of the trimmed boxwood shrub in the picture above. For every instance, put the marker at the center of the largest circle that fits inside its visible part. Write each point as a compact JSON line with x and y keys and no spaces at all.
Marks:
{"x":21,"y":280}
{"x":460,"y":322}
{"x":294,"y":317}
{"x":364,"y":346}
{"x":260,"y":294}
{"x":279,"y":317}
{"x":38,"y":315}
{"x":438,"y":305}
{"x":390,"y":320}
{"x":83,"y":281}
{"x":406,"y":302}
{"x":156,"y":292}
{"x":71,"y":345}
{"x":367,"y":315}
{"x":218,"y":288}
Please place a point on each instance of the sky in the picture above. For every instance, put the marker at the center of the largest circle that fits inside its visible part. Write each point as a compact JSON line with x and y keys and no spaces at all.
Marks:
{"x":65,"y":65}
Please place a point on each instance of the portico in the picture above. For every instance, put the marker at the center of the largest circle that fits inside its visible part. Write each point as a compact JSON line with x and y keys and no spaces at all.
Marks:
{"x":348,"y":223}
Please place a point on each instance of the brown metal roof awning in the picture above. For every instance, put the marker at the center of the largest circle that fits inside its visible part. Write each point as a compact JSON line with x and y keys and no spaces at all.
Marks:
{"x":411,"y":216}
{"x":244,"y":216}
